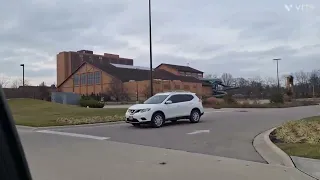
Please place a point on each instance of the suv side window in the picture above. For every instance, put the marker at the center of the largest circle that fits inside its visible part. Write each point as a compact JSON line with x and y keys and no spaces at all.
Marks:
{"x":176,"y":98}
{"x":188,"y":97}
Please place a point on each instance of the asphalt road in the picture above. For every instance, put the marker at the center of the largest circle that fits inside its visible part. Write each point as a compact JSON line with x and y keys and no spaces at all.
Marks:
{"x":228,"y":132}
{"x":53,"y":156}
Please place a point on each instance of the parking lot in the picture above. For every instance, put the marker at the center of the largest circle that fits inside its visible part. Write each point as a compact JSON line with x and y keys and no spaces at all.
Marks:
{"x":226,"y":132}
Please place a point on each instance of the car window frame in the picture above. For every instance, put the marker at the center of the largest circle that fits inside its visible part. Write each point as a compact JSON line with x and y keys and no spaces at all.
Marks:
{"x":190,"y":96}
{"x":174,"y":96}
{"x":165,"y":99}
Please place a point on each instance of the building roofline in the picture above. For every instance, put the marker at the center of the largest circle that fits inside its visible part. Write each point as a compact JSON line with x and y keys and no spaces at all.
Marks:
{"x":172,"y":66}
{"x":100,"y":55}
{"x":71,"y":74}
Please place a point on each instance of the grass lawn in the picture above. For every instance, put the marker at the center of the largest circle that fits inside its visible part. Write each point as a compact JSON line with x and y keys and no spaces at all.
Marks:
{"x":268,"y":105}
{"x":301,"y":149}
{"x":299,"y":138}
{"x":37,"y":113}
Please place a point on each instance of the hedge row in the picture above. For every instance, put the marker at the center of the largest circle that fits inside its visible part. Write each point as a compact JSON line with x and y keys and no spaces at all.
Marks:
{"x":91,"y":103}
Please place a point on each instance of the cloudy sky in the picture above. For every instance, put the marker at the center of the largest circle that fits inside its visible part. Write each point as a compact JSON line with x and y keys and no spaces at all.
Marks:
{"x":215,"y":36}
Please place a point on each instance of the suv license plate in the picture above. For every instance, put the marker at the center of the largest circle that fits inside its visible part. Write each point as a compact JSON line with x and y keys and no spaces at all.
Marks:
{"x":130,"y":117}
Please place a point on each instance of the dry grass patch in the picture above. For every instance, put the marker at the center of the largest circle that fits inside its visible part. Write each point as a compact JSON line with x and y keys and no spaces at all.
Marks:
{"x":37,"y":113}
{"x":299,"y":138}
{"x":301,"y":131}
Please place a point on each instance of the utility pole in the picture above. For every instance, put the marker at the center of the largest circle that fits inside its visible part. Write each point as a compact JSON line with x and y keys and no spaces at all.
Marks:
{"x":278,"y":59}
{"x":22,"y":74}
{"x":150,"y":48}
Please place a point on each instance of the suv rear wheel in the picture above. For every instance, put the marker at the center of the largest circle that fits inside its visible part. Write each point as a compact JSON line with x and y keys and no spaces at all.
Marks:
{"x":157,"y":120}
{"x":195,"y":116}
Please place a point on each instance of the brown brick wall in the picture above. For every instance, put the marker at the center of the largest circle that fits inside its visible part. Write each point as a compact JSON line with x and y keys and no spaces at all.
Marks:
{"x":131,"y":88}
{"x":61,"y":67}
{"x":69,"y":86}
{"x":206,"y":91}
{"x":64,"y":66}
{"x":160,"y":86}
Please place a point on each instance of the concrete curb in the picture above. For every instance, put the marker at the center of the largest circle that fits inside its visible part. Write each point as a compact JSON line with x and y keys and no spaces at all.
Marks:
{"x":69,"y":126}
{"x":270,"y":152}
{"x":26,"y":127}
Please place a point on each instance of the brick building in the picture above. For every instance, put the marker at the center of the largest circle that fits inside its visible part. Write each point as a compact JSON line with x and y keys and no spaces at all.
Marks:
{"x":68,"y":62}
{"x":187,"y":71}
{"x":181,"y":70}
{"x":101,"y":75}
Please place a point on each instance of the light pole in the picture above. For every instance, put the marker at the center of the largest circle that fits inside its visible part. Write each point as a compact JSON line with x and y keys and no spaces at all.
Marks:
{"x":278,"y":59}
{"x":22,"y":74}
{"x":150,"y":48}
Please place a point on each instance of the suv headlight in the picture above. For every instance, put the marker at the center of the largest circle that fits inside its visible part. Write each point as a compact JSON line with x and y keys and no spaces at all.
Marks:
{"x":144,"y":110}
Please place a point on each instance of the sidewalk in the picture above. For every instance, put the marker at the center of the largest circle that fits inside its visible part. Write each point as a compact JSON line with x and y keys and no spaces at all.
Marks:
{"x":310,"y":166}
{"x":275,"y":156}
{"x":54,"y":157}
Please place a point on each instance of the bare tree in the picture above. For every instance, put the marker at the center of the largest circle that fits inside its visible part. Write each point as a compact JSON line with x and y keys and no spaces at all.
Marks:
{"x":302,"y":77}
{"x":314,"y":78}
{"x":240,"y":82}
{"x":271,"y":82}
{"x":42,"y":84}
{"x":44,"y":91}
{"x":53,"y":85}
{"x":227,"y":79}
{"x":116,"y":90}
{"x":4,"y":81}
{"x":258,"y":79}
{"x":211,"y":76}
{"x":19,"y":82}
{"x":146,"y":92}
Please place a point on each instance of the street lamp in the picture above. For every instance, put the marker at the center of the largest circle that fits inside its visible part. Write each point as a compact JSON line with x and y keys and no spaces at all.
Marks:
{"x":22,"y":74}
{"x":150,"y":48}
{"x":278,"y":59}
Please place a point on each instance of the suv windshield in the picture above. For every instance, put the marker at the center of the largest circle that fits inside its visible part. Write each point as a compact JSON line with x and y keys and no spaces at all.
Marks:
{"x":157,"y":99}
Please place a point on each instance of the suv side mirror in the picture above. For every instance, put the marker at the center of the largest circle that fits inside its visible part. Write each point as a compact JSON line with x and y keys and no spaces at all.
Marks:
{"x":168,"y":102}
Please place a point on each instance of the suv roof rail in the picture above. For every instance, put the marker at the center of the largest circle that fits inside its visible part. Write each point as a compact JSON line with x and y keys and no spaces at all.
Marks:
{"x":179,"y":91}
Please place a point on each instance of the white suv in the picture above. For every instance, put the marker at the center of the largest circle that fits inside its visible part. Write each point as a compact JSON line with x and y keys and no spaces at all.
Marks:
{"x":162,"y":107}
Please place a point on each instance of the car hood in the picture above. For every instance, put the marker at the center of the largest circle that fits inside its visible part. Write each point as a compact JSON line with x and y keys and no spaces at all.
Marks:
{"x":142,"y":106}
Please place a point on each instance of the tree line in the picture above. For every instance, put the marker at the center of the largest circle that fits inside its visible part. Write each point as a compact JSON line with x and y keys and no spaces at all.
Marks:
{"x":306,"y":85}
{"x":15,"y":83}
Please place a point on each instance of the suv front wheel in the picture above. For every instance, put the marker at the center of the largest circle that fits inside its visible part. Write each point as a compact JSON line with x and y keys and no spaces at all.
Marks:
{"x":157,"y":120}
{"x":195,"y":116}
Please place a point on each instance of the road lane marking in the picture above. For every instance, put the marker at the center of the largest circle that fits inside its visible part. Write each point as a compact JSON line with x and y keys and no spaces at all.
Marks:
{"x":199,"y":131}
{"x":73,"y":134}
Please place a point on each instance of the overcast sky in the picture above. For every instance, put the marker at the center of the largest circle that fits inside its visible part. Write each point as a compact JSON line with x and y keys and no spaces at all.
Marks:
{"x":215,"y":36}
